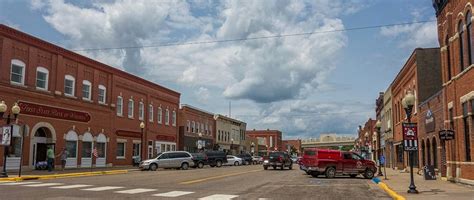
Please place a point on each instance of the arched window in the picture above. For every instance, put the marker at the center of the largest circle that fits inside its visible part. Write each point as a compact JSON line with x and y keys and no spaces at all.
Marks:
{"x":423,"y":157}
{"x":428,"y":151}
{"x":150,"y":113}
{"x":119,"y":106}
{"x":17,"y":73}
{"x":71,"y":144}
{"x":435,"y":153}
{"x":130,"y":108}
{"x":167,"y":117}
{"x":469,"y":37}
{"x":173,"y":118}
{"x":461,"y":45}
{"x":86,"y":90}
{"x":448,"y":57}
{"x":160,"y":115}
{"x":69,"y":85}
{"x":141,"y":111}
{"x":42,"y":75}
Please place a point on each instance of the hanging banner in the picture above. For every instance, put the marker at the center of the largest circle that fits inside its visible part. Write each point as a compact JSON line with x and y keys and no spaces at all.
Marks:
{"x":410,"y":136}
{"x":6,"y":136}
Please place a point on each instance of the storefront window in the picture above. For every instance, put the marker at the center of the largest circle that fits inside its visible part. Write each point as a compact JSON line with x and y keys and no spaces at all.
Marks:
{"x":163,"y":147}
{"x":100,"y":149}
{"x":168,"y":147}
{"x":14,"y":149}
{"x":120,"y":150}
{"x":136,"y":149}
{"x":71,"y":147}
{"x":86,"y":149}
{"x":173,"y":147}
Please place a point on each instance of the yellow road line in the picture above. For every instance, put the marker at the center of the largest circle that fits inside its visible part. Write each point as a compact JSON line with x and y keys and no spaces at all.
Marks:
{"x":217,"y":177}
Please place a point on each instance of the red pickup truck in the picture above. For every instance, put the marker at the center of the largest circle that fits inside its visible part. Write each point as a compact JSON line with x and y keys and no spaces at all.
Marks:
{"x":332,"y":162}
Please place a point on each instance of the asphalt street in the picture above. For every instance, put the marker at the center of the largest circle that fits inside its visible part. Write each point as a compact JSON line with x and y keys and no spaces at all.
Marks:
{"x":232,"y":182}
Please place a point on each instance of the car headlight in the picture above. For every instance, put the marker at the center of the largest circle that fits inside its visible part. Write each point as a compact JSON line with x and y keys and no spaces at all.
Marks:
{"x":265,"y":161}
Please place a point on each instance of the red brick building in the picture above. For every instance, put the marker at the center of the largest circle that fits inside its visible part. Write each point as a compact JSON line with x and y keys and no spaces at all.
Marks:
{"x":455,"y":36}
{"x":271,"y":139}
{"x":196,"y":129}
{"x":287,"y":145}
{"x":68,"y":100}
{"x":364,"y":143}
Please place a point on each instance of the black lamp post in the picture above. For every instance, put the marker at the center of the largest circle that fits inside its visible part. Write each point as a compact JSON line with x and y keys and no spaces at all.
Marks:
{"x":408,"y":101}
{"x":199,"y":142}
{"x":231,"y":145}
{"x":378,"y":125}
{"x":142,"y":155}
{"x":253,"y":148}
{"x":15,"y":111}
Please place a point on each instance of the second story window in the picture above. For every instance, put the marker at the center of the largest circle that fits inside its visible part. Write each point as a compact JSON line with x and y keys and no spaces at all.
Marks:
{"x":119,"y":106}
{"x":461,"y":45}
{"x":150,"y":113}
{"x":193,"y":127}
{"x":141,"y":113}
{"x":174,"y":118}
{"x":86,"y":90}
{"x":160,"y":115}
{"x":188,"y":126}
{"x":130,"y":108}
{"x":102,"y":94}
{"x":69,"y":85}
{"x":17,"y":75}
{"x":42,"y":78}
{"x":167,"y":117}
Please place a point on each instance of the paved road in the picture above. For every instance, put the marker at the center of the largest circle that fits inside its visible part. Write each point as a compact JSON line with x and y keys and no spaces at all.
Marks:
{"x":240,"y":182}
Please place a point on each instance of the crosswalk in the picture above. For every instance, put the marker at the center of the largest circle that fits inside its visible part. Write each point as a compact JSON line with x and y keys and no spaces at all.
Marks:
{"x":118,"y":190}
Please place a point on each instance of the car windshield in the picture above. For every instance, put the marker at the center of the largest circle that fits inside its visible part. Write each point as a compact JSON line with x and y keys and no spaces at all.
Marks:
{"x":159,"y":154}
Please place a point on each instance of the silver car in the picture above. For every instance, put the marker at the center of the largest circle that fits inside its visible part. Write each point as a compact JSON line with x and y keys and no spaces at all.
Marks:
{"x":171,"y":159}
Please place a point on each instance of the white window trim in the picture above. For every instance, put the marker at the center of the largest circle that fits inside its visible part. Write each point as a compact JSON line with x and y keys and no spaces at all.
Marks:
{"x":141,"y":111}
{"x":71,"y":78}
{"x":88,"y":83}
{"x":124,"y":150}
{"x":167,"y":117}
{"x":188,"y":126}
{"x":130,"y":114}
{"x":46,"y":71}
{"x":160,"y":115}
{"x":102,"y":87}
{"x":150,"y":113}
{"x":173,"y":118}
{"x":120,"y":112}
{"x":20,"y":64}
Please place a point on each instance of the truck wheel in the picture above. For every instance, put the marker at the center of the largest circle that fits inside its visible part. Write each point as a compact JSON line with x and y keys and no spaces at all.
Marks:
{"x":313,"y":174}
{"x":200,"y":165}
{"x":265,"y":167}
{"x":330,"y":172}
{"x":369,"y":174}
{"x":219,"y":163}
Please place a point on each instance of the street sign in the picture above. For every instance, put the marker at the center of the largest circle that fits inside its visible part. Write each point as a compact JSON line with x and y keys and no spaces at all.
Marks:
{"x":6,"y":136}
{"x":446,"y":135}
{"x":410,"y":136}
{"x":429,"y":172}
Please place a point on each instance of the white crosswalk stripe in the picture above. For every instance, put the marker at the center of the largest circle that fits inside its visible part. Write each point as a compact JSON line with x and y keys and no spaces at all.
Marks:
{"x":104,"y":188}
{"x":219,"y":197}
{"x":43,"y":184}
{"x":172,"y":194}
{"x":135,"y":191}
{"x":19,"y":183}
{"x":70,"y":186}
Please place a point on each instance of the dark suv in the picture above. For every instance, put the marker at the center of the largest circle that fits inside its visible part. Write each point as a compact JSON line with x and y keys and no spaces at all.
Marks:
{"x":246,"y":158}
{"x":278,"y":159}
{"x":216,"y":158}
{"x":200,"y":159}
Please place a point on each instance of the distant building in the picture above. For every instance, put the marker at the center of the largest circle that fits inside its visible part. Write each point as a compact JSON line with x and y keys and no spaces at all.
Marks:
{"x":196,"y":129}
{"x":270,"y":139}
{"x":230,"y":135}
{"x":288,"y":145}
{"x":329,"y":141}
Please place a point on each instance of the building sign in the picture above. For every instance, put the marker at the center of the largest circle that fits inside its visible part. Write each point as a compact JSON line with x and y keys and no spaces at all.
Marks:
{"x":410,"y":136}
{"x":429,"y":121}
{"x":165,"y":138}
{"x":5,"y":136}
{"x":446,"y":135}
{"x":125,"y":133}
{"x":53,"y":112}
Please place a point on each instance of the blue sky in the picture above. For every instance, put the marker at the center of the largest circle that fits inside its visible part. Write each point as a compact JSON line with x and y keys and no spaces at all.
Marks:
{"x":303,"y":85}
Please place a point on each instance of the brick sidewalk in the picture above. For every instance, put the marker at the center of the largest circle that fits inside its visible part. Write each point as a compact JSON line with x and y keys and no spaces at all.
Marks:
{"x":428,"y":189}
{"x":28,"y":172}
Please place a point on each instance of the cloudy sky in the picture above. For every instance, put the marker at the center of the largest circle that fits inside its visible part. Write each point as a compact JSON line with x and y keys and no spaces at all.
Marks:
{"x":304,"y":84}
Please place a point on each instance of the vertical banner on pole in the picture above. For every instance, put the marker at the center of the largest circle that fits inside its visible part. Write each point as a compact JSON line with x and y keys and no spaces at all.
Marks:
{"x":410,"y":136}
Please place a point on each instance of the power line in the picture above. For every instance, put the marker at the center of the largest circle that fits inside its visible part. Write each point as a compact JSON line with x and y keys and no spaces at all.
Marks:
{"x":300,"y":115}
{"x":251,"y":38}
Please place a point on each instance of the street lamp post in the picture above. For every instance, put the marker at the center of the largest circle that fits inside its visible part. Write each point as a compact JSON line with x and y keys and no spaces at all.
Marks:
{"x":142,"y":126}
{"x":231,"y":145}
{"x":267,"y":149}
{"x":199,"y":142}
{"x":15,"y":111}
{"x":378,"y":125}
{"x":253,"y":148}
{"x":408,"y":101}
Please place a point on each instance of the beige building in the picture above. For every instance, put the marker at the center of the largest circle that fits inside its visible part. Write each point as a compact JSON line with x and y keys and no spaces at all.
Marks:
{"x":386,"y":129}
{"x":230,"y":134}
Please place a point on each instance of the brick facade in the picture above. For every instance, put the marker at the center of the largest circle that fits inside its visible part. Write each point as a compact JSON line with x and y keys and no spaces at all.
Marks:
{"x":292,"y":143}
{"x":271,"y":139}
{"x":193,"y":121}
{"x":51,"y":117}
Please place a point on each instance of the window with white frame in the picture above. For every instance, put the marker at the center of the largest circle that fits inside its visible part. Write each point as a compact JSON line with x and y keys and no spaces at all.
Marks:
{"x":119,"y":106}
{"x":150,"y":113}
{"x":42,"y":75}
{"x":130,"y":108}
{"x":17,"y":75}
{"x":188,"y":126}
{"x":141,"y":113}
{"x":207,"y":129}
{"x":102,"y":94}
{"x":167,"y":117}
{"x":160,"y":115}
{"x":197,"y":127}
{"x":121,"y":150}
{"x":86,"y":90}
{"x":193,"y":127}
{"x":69,"y":85}
{"x":174,"y":118}
{"x":210,"y":129}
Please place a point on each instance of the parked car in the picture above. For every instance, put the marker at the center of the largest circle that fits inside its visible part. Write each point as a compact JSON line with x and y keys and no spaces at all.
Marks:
{"x":294,"y":159}
{"x":246,"y":158}
{"x":200,"y":159}
{"x":278,"y":159}
{"x":216,"y":158}
{"x":171,"y":159}
{"x":333,"y":162}
{"x":257,"y":160}
{"x":233,"y":160}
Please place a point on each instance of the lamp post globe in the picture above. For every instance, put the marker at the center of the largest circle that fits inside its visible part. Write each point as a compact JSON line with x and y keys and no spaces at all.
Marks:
{"x":3,"y":107}
{"x":16,"y":110}
{"x":142,"y":125}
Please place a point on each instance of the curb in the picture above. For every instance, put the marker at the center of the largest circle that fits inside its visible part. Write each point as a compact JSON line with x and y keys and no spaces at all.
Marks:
{"x":389,"y":191}
{"x":68,"y":175}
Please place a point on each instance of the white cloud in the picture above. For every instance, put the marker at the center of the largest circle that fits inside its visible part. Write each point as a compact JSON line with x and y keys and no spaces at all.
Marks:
{"x":203,"y":94}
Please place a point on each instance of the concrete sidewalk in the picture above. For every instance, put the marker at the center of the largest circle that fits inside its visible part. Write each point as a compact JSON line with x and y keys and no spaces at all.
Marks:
{"x":428,"y":189}
{"x":32,"y":172}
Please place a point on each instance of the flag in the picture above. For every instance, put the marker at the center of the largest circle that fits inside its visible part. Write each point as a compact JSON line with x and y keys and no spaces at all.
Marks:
{"x":95,"y":152}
